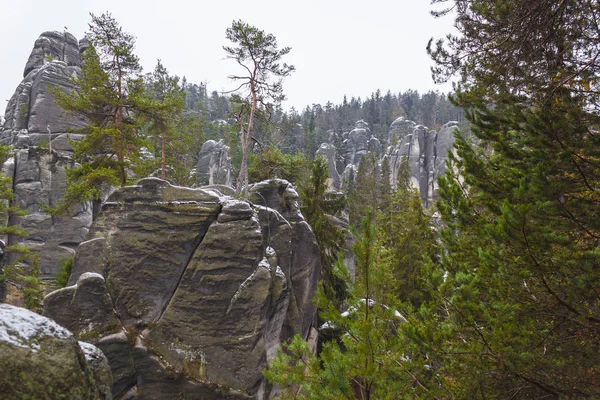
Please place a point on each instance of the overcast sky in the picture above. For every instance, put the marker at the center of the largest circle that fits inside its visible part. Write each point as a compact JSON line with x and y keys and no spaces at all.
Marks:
{"x":339,"y":47}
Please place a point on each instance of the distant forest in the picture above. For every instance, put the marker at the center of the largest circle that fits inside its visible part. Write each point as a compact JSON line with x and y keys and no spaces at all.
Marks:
{"x":303,"y":131}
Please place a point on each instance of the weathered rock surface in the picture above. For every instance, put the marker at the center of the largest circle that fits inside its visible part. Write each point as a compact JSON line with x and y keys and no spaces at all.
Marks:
{"x":42,"y":360}
{"x":214,"y":164}
{"x":328,"y":152}
{"x":204,"y":288}
{"x":356,"y":143}
{"x":425,"y":151}
{"x":55,"y":58}
{"x":31,"y":119}
{"x":84,"y":308}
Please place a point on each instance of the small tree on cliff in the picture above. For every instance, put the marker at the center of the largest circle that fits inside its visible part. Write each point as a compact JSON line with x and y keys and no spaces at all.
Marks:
{"x":257,"y":53}
{"x":105,"y":97}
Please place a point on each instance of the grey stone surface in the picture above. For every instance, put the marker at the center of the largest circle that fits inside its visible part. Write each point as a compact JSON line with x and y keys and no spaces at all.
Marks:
{"x":42,"y":360}
{"x":39,"y":181}
{"x":204,"y":287}
{"x":54,"y":60}
{"x":328,"y":151}
{"x":355,"y":143}
{"x":84,"y":308}
{"x":214,"y":164}
{"x":425,"y":152}
{"x":39,"y":177}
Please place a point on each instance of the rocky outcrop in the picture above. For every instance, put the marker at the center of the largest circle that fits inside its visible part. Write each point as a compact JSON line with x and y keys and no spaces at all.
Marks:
{"x":424,"y":151}
{"x":31,"y":114}
{"x":192,"y":288}
{"x":39,"y":181}
{"x":42,"y":360}
{"x":39,"y":176}
{"x":328,"y":152}
{"x":355,"y":144}
{"x":214,"y":164}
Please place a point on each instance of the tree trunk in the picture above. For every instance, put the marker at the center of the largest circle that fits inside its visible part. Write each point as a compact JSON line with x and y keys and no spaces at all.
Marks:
{"x":163,"y":175}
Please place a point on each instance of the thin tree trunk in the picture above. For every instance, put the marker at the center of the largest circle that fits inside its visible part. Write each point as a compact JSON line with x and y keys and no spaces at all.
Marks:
{"x":162,"y":158}
{"x":246,"y":140}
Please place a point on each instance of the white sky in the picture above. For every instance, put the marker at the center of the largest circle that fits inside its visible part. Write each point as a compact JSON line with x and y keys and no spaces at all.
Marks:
{"x":339,"y":47}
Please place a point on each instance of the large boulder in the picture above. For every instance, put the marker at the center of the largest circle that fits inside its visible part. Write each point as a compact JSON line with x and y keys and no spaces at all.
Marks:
{"x":192,"y":288}
{"x":42,"y":360}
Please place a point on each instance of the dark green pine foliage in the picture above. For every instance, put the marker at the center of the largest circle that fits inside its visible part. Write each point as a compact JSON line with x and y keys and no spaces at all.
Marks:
{"x":372,"y":359}
{"x":519,"y":307}
{"x":319,"y":208}
{"x":105,"y":95}
{"x":408,"y":240}
{"x":19,"y":266}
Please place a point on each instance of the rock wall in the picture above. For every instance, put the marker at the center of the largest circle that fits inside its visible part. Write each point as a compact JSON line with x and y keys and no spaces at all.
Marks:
{"x":186,"y":288}
{"x":39,"y":176}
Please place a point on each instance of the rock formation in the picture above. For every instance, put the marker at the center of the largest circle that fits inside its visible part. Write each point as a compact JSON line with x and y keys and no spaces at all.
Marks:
{"x":39,"y":177}
{"x":192,"y":288}
{"x":214,"y":164}
{"x":328,"y":152}
{"x":42,"y":360}
{"x":424,"y":150}
{"x":355,"y":144}
{"x":31,"y":112}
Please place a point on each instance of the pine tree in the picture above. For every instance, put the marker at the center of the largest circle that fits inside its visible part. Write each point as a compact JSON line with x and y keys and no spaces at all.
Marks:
{"x":520,"y":301}
{"x":104,"y":96}
{"x":373,"y":359}
{"x":19,"y":266}
{"x":257,"y":52}
{"x":318,"y":207}
{"x":161,"y":105}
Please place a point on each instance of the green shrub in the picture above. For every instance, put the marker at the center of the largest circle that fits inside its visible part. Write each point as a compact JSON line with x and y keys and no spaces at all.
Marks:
{"x":64,"y":272}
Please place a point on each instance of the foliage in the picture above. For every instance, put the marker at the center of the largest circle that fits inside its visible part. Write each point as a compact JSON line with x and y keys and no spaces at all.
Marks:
{"x":33,"y":291}
{"x":271,"y":163}
{"x":257,"y":53}
{"x":372,"y":358}
{"x":519,"y":300}
{"x":65,"y":267}
{"x":407,"y":240}
{"x":105,"y":97}
{"x":161,"y":106}
{"x":319,"y":208}
{"x":16,"y":257}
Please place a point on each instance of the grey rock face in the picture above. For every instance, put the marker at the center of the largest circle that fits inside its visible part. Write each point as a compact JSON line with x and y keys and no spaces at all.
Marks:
{"x":39,"y":178}
{"x":84,"y":308}
{"x":54,"y":60}
{"x":327,"y":150}
{"x":356,"y":143}
{"x":205,"y":287}
{"x":41,"y":359}
{"x":214,"y":164}
{"x":424,"y":151}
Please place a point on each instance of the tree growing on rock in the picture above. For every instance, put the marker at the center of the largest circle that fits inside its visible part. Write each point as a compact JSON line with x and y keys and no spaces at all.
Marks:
{"x":105,"y":97}
{"x":162,"y":106}
{"x":260,"y":82}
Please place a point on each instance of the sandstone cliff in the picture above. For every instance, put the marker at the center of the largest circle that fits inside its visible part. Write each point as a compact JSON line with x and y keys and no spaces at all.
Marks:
{"x":189,"y":291}
{"x":39,"y":176}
